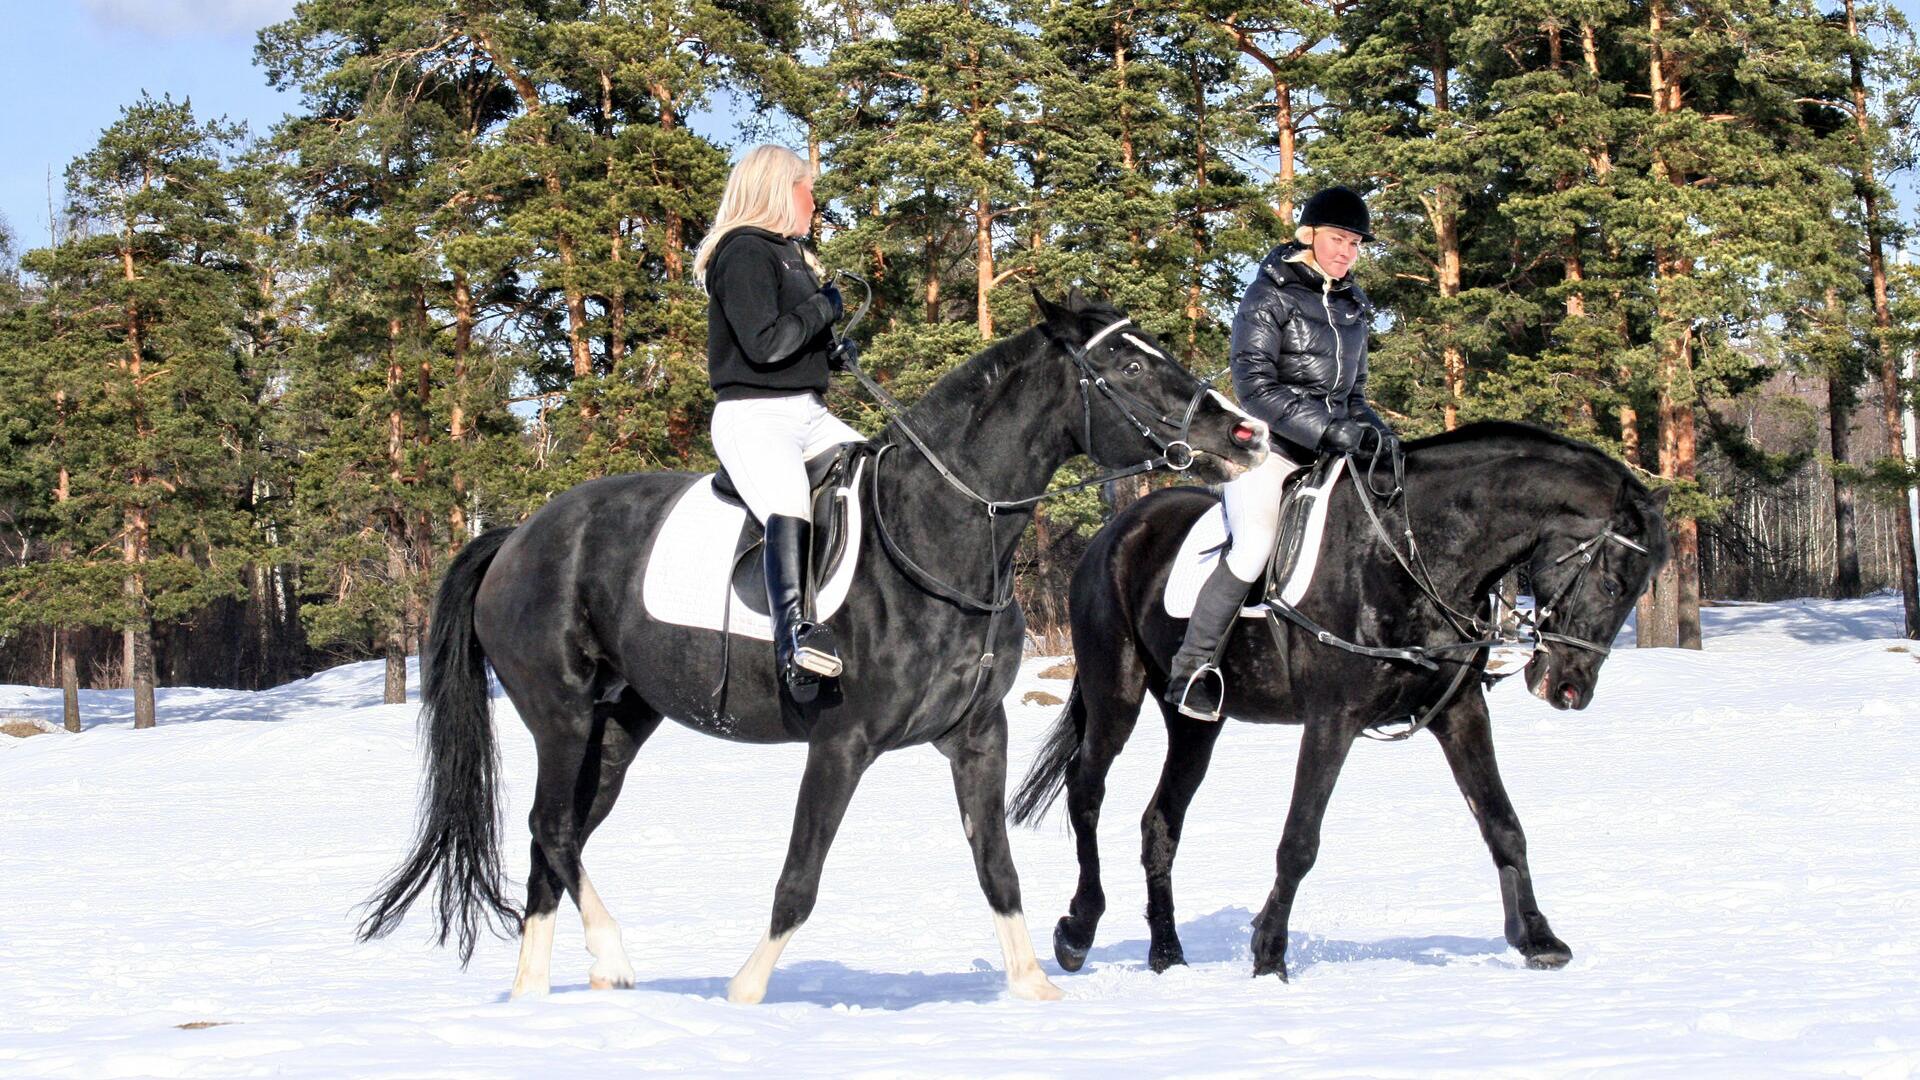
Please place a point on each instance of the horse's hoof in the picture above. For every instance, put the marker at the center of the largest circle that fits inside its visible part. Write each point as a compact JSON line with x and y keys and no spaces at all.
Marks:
{"x":602,"y":982}
{"x":1271,"y":967}
{"x":745,"y":993}
{"x":1549,"y":957}
{"x":1161,"y":957}
{"x":1034,"y":986}
{"x":1071,"y":957}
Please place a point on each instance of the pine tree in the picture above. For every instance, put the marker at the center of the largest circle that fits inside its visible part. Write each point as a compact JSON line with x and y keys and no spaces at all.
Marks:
{"x":140,"y":395}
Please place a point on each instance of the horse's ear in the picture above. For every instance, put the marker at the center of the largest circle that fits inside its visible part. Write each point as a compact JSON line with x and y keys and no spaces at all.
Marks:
{"x":1658,"y":500}
{"x":1059,"y":321}
{"x":1076,"y":300}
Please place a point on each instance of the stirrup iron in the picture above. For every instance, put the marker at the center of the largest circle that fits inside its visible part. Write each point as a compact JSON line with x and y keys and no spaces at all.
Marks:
{"x":1220,"y":697}
{"x":814,"y":651}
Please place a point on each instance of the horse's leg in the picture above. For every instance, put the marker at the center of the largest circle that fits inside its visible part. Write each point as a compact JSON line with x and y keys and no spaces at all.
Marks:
{"x":1466,"y":736}
{"x":978,"y":757}
{"x":1108,"y":710}
{"x":1323,"y":749}
{"x":1189,"y":749}
{"x":562,"y":746}
{"x":833,"y":771}
{"x":625,"y":728}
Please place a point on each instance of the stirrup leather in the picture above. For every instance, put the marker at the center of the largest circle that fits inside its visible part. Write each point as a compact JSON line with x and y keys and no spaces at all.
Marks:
{"x":1220,"y":696}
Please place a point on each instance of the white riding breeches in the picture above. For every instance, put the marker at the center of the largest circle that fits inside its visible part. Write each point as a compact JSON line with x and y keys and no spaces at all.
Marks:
{"x":1253,"y":515}
{"x":765,"y":443}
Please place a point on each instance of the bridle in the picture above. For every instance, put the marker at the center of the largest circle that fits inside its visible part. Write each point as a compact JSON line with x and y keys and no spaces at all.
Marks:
{"x":1176,"y":454}
{"x":1476,"y":633}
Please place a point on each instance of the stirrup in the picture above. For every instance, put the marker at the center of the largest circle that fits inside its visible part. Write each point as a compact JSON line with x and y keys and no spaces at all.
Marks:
{"x":814,"y":652}
{"x":1220,"y":698}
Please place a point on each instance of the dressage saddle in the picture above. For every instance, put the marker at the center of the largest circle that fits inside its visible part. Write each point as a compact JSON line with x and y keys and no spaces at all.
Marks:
{"x":827,"y":475}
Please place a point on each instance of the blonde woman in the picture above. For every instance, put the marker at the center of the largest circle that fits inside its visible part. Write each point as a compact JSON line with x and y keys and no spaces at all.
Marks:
{"x":769,"y":352}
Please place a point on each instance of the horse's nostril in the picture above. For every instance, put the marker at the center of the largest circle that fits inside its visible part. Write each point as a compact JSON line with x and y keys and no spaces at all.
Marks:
{"x":1244,"y":434}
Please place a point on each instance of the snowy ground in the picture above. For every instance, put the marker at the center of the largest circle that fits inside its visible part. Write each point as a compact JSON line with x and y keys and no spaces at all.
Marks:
{"x":1725,"y":838}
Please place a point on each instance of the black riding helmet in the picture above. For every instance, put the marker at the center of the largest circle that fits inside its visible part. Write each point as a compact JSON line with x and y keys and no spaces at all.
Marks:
{"x":1339,"y":207}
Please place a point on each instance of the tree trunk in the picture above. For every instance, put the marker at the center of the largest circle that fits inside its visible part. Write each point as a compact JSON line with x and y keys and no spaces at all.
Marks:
{"x":1891,"y":396}
{"x":1840,"y":403}
{"x":69,"y":678}
{"x":1446,"y":236}
{"x":457,"y":425}
{"x":1677,"y":392}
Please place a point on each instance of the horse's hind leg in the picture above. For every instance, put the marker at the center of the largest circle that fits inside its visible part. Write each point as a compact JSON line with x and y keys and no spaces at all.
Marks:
{"x":834,"y":768}
{"x":564,"y":734}
{"x":1466,"y":737}
{"x":1189,"y":750}
{"x":1109,"y":704}
{"x":978,"y":756}
{"x":622,"y":727}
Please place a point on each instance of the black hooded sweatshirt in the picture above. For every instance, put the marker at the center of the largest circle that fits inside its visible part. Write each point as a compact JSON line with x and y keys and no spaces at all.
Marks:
{"x":766,"y":318}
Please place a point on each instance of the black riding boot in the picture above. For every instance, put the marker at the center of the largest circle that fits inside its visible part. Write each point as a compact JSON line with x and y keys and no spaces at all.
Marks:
{"x":1195,"y":685}
{"x":803,"y":650}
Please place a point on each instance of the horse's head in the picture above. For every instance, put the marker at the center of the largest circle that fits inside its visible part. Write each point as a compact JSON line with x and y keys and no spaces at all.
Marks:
{"x":1137,"y":402}
{"x":1588,"y":571}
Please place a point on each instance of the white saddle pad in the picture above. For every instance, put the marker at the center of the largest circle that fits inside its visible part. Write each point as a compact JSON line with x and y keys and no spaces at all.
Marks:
{"x":1202,"y":548}
{"x":690,"y":569}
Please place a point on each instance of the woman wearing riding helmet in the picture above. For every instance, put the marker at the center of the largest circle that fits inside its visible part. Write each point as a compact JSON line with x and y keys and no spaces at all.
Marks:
{"x":1299,"y":358}
{"x":769,"y":351}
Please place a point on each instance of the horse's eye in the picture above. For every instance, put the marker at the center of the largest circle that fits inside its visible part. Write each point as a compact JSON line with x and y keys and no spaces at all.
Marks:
{"x":1132,"y":368}
{"x":1607,"y":586}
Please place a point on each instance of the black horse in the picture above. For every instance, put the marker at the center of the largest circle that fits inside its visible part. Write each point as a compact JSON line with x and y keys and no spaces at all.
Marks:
{"x":1481,"y":502}
{"x":555,"y":607}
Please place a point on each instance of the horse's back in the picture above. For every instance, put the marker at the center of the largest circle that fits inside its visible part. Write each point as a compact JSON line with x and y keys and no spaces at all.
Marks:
{"x":565,"y":557}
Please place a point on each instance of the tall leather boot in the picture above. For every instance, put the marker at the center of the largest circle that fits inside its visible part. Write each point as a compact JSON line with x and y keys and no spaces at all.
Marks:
{"x":1195,"y":686}
{"x":803,"y":650}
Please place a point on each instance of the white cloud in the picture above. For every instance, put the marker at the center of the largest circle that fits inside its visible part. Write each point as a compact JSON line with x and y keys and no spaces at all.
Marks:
{"x":186,"y":18}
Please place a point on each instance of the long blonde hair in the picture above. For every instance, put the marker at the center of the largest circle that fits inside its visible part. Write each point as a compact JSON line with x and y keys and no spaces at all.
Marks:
{"x":759,"y":194}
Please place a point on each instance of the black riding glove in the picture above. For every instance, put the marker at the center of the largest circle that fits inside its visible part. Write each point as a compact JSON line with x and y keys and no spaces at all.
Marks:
{"x":1344,"y":437}
{"x":845,"y":355}
{"x":833,"y":297}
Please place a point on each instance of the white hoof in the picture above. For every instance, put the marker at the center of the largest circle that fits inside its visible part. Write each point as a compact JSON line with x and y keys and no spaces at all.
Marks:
{"x":611,"y":975}
{"x":1034,"y":986}
{"x":746,"y":991}
{"x":529,"y":991}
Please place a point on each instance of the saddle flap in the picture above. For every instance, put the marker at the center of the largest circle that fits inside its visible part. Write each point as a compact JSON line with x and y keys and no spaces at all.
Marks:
{"x":833,"y":493}
{"x":1296,"y":556}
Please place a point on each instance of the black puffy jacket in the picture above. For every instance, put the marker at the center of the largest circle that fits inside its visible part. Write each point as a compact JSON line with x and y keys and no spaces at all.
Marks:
{"x":766,"y":318}
{"x":1300,"y":351}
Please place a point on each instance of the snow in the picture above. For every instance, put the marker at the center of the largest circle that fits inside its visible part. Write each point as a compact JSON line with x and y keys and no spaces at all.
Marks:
{"x":1725,"y":838}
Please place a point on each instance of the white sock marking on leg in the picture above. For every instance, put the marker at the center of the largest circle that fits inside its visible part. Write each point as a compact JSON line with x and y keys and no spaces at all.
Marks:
{"x":611,"y":969}
{"x":750,"y":985}
{"x":1025,"y":980}
{"x":536,"y":953}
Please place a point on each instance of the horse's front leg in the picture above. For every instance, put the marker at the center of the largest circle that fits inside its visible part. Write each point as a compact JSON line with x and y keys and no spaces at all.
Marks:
{"x":1323,"y":750}
{"x":834,"y":768}
{"x":977,"y":753}
{"x":1466,"y":736}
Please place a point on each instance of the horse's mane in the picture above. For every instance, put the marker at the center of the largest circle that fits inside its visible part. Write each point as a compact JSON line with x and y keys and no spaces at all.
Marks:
{"x":1539,"y":438}
{"x":961,"y":387}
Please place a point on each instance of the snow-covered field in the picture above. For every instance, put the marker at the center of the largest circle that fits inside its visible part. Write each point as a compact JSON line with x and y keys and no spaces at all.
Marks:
{"x":1726,"y":839}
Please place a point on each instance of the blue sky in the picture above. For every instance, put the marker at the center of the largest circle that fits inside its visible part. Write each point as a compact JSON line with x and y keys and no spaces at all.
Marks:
{"x":66,"y":67}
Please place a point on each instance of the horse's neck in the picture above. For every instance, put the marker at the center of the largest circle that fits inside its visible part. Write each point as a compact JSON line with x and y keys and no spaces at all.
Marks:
{"x":998,"y":428}
{"x":1476,"y":518}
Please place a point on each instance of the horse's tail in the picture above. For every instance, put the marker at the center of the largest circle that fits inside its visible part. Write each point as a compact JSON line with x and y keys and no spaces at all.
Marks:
{"x":458,"y":841}
{"x":1049,"y":772}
